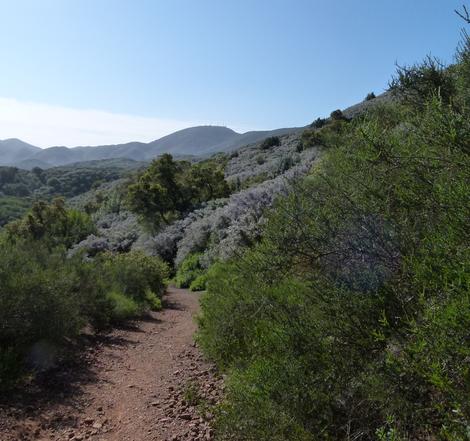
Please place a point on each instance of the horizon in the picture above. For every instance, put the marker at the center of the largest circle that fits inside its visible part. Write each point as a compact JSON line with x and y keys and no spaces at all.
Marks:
{"x":238,"y":132}
{"x":110,"y":72}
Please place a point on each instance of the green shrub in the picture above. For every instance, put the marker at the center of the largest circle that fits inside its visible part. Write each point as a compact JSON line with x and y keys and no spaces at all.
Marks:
{"x":46,"y":297}
{"x":272,"y":141}
{"x":318,"y":123}
{"x":53,"y":224}
{"x":337,"y":115}
{"x":154,"y":302}
{"x":135,"y":273}
{"x":12,"y":208}
{"x":189,"y":270}
{"x":169,"y":188}
{"x":38,"y":302}
{"x":351,"y":317}
{"x":370,"y":96}
{"x":199,"y":283}
{"x":123,"y":307}
{"x":309,"y":139}
{"x":418,"y":83}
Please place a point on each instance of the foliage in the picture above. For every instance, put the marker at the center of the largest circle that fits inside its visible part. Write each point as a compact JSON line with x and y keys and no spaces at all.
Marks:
{"x":47,"y":295}
{"x":136,"y":275}
{"x":123,"y":307}
{"x":189,"y":270}
{"x":310,"y":138}
{"x":370,"y":96}
{"x":43,"y":298}
{"x":52,"y":224}
{"x":418,"y":83}
{"x":350,"y":318}
{"x":12,"y":207}
{"x":272,"y":141}
{"x":65,"y":181}
{"x":206,"y":182}
{"x":318,"y":123}
{"x":337,"y":115}
{"x":330,"y":134}
{"x":199,"y":283}
{"x":168,"y":189}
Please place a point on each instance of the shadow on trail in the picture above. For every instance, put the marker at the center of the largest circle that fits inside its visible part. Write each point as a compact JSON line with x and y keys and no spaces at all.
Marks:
{"x":174,"y":305}
{"x":61,"y":386}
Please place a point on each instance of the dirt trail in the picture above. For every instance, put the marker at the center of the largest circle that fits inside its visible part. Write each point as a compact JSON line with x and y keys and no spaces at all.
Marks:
{"x":145,"y":382}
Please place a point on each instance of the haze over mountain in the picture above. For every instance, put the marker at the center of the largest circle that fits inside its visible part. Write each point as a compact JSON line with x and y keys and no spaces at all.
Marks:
{"x":194,"y":141}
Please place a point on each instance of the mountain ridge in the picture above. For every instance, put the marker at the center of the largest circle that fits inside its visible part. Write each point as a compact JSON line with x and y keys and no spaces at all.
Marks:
{"x":192,"y":141}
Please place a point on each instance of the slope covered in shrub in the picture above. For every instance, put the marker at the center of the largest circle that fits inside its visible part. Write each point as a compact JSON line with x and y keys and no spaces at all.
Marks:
{"x":350,"y":319}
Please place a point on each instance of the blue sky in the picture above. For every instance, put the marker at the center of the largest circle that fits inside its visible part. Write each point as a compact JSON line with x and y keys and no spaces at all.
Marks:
{"x":167,"y":64}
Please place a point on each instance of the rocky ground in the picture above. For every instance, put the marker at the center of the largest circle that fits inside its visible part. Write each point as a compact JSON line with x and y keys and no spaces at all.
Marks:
{"x":147,"y":381}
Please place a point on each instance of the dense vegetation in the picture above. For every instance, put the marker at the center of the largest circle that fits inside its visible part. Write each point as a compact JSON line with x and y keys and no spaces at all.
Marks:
{"x":343,"y":313}
{"x":19,"y":187}
{"x":350,"y":318}
{"x":12,"y":207}
{"x":47,"y":296}
{"x":169,"y":189}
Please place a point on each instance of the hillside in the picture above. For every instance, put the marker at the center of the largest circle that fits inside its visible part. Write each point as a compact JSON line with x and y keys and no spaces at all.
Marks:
{"x":14,"y":150}
{"x":334,"y":260}
{"x":194,"y":141}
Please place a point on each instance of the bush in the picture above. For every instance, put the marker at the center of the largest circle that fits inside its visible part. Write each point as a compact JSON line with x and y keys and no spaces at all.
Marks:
{"x":418,"y":83}
{"x":272,"y":141}
{"x":370,"y":96}
{"x":310,"y":138}
{"x":189,"y":270}
{"x":337,"y":115}
{"x":123,"y":307}
{"x":199,"y":283}
{"x":12,"y":208}
{"x":318,"y":123}
{"x":350,"y":318}
{"x":40,"y":300}
{"x":52,"y":224}
{"x":46,"y":297}
{"x":135,"y":274}
{"x":153,"y":301}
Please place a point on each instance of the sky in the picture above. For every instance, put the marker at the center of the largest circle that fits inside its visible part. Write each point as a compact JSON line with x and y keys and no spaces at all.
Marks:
{"x":91,"y":72}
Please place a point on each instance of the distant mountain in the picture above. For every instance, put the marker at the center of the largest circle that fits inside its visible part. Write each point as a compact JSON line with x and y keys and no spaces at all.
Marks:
{"x":14,"y":150}
{"x":194,"y":141}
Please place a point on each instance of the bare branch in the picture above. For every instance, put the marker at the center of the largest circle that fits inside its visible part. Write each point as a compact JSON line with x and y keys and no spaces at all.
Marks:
{"x":465,"y":14}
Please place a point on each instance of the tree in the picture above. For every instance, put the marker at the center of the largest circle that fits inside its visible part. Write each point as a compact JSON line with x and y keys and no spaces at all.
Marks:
{"x":52,"y":224}
{"x":169,"y":188}
{"x":272,"y":141}
{"x":207,"y":182}
{"x":157,"y":193}
{"x":7,"y":175}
